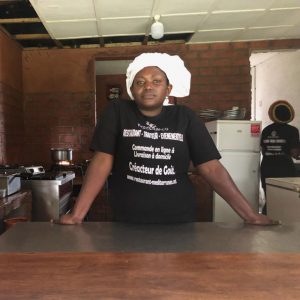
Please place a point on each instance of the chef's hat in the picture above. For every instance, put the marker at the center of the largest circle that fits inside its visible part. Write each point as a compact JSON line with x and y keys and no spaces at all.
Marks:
{"x":173,"y":66}
{"x":281,"y":111}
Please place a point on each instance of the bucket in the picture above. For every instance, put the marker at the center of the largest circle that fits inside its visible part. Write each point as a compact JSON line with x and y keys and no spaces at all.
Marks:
{"x":12,"y":221}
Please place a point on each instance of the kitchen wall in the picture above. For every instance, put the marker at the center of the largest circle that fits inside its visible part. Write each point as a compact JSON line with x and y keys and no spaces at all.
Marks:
{"x":59,"y":103}
{"x":59,"y":88}
{"x":11,"y":101}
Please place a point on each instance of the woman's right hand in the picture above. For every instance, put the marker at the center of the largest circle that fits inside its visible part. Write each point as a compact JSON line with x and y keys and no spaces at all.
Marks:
{"x":69,"y":219}
{"x":260,"y":219}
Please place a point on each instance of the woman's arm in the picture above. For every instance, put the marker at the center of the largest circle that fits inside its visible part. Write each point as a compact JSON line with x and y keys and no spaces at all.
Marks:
{"x":295,"y":144}
{"x":294,"y":152}
{"x":97,"y":173}
{"x":220,"y":180}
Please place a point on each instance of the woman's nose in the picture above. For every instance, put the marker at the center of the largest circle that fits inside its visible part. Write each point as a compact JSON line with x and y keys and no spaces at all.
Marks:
{"x":148,"y":85}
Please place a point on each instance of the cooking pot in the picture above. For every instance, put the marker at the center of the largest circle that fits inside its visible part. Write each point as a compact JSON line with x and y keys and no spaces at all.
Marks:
{"x":61,"y":154}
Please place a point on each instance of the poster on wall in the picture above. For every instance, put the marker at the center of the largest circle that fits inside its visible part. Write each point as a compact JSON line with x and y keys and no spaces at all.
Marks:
{"x":113,"y":92}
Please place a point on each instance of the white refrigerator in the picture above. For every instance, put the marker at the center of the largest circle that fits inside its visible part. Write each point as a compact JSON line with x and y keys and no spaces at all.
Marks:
{"x":283,"y":199}
{"x":238,"y":142}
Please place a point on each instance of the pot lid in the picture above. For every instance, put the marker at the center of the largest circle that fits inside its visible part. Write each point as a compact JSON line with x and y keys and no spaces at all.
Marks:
{"x":61,"y":149}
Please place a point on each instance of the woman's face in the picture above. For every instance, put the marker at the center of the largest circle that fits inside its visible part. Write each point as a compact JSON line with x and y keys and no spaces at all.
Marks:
{"x":149,"y":89}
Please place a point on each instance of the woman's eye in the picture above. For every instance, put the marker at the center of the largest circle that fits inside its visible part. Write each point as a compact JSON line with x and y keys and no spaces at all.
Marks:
{"x":139,"y":82}
{"x":157,"y":81}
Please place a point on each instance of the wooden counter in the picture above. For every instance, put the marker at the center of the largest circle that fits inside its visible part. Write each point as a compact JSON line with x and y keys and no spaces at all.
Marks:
{"x":39,"y":260}
{"x":176,"y":276}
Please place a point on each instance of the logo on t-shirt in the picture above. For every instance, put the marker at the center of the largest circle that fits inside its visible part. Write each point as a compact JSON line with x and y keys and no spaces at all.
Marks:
{"x":274,"y":134}
{"x":152,"y":164}
{"x":150,"y":126}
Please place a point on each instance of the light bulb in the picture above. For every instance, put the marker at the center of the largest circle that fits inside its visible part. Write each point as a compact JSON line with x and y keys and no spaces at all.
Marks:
{"x":157,"y":29}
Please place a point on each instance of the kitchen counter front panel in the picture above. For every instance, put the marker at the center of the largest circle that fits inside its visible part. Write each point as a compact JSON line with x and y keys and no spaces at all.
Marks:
{"x":156,"y":276}
{"x":123,"y":237}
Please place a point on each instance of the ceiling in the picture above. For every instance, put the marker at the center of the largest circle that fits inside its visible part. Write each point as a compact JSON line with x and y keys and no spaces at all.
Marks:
{"x":106,"y":23}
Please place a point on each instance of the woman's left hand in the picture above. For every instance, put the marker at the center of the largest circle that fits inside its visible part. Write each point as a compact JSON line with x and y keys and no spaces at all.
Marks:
{"x":260,"y":219}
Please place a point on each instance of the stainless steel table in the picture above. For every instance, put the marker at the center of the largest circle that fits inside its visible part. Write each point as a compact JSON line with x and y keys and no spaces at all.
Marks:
{"x":123,"y":237}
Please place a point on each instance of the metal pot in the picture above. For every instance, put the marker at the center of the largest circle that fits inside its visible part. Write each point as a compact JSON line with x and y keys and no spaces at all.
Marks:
{"x":61,"y":154}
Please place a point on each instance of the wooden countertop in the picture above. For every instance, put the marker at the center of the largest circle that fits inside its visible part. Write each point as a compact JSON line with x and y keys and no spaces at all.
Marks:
{"x":175,"y":276}
{"x":39,"y":260}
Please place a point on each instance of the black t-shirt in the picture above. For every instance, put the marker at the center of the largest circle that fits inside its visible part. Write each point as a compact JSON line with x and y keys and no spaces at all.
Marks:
{"x":277,"y":140}
{"x":149,"y":179}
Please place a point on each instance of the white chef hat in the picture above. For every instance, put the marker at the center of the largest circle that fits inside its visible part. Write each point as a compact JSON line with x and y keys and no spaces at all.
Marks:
{"x":172,"y":65}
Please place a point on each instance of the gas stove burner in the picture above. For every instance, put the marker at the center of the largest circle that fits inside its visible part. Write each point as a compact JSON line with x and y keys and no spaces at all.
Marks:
{"x":47,"y":175}
{"x":8,"y":172}
{"x":78,"y":168}
{"x":65,"y":163}
{"x":20,"y":169}
{"x":11,"y":169}
{"x":34,"y":170}
{"x":14,"y":166}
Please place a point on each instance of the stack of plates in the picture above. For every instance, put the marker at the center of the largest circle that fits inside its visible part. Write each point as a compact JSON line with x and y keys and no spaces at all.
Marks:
{"x":235,"y":113}
{"x":209,"y":114}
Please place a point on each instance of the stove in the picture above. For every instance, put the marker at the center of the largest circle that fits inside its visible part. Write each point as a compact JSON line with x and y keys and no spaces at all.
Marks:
{"x":10,"y":182}
{"x":51,"y":189}
{"x":51,"y":193}
{"x":78,"y":168}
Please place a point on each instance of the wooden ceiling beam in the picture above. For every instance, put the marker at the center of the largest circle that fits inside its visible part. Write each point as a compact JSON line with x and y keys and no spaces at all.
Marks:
{"x":145,"y":40}
{"x":5,"y":31}
{"x":101,"y":41}
{"x":3,"y":2}
{"x":20,"y":20}
{"x":34,"y":36}
{"x":58,"y":43}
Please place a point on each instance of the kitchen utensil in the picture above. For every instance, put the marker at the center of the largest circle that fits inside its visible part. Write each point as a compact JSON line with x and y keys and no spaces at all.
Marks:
{"x":61,"y":154}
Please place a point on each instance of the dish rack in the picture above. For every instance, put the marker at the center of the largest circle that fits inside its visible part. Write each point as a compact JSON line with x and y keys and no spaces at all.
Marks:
{"x":235,"y":113}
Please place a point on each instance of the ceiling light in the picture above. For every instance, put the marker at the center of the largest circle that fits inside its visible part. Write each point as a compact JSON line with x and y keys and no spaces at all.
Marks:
{"x":157,"y":28}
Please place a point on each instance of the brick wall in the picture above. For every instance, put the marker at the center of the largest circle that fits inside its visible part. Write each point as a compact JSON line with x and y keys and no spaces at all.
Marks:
{"x":11,"y":102}
{"x":58,"y":120}
{"x":220,"y":77}
{"x":59,"y":104}
{"x":60,"y":85}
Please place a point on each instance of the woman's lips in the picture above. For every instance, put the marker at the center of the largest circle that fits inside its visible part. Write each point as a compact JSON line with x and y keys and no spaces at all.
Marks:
{"x":148,"y":96}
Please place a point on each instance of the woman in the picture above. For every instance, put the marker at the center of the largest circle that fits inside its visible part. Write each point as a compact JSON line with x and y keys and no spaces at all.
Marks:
{"x":148,"y":146}
{"x":279,"y":143}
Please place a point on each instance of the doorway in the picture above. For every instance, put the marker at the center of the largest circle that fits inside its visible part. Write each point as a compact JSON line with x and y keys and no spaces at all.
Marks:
{"x":275,"y":76}
{"x":110,"y":82}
